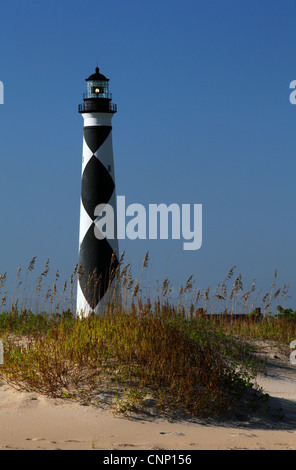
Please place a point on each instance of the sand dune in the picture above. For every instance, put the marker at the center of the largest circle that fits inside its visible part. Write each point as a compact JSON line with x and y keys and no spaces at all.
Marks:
{"x":32,"y":421}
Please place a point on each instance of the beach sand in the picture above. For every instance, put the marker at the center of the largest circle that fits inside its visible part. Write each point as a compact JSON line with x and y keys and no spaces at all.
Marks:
{"x":32,"y":421}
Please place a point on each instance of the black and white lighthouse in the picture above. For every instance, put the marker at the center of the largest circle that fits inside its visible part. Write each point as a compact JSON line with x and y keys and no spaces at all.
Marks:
{"x":98,"y":256}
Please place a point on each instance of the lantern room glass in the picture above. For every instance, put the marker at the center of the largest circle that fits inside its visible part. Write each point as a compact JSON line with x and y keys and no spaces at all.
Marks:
{"x":103,"y":86}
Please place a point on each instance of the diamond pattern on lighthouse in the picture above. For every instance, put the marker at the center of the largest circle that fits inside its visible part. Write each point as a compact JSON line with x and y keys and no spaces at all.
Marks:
{"x":95,"y":136}
{"x":97,"y":186}
{"x":95,"y":256}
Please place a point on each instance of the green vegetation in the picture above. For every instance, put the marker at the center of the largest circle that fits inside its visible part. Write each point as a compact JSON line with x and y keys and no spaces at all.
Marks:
{"x":184,"y":364}
{"x":144,"y":353}
{"x":286,"y":312}
{"x":279,"y":329}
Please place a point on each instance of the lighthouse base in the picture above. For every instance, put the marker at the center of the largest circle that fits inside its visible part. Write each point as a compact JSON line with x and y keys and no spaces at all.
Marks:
{"x":109,"y":303}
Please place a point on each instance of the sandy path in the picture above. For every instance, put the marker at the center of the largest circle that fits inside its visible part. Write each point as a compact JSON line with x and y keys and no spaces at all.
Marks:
{"x":31,"y":421}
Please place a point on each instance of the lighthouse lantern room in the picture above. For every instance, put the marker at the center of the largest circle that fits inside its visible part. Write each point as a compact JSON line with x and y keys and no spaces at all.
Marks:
{"x":97,"y":97}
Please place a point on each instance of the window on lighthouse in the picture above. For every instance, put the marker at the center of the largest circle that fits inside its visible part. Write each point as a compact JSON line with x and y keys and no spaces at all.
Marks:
{"x":97,"y":89}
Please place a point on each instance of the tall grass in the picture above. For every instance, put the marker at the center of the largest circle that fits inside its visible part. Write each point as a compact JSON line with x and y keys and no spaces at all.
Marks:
{"x":231,"y":296}
{"x":182,"y":354}
{"x":183,"y":364}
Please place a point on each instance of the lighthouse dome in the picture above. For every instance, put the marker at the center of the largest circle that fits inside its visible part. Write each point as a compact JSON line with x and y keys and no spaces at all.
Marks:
{"x":97,"y":76}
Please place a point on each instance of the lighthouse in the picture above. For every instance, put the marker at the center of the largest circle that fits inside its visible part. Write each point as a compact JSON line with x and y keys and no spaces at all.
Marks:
{"x":98,"y":255}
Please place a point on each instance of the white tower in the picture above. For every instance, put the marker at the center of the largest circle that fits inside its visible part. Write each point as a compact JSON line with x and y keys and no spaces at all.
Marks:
{"x":96,"y":254}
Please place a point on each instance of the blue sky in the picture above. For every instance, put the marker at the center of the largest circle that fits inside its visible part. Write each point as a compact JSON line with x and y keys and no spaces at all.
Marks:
{"x":204,"y":117}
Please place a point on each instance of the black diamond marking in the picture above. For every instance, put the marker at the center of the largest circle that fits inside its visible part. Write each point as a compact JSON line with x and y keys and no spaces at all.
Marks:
{"x":95,"y":136}
{"x":97,"y":186}
{"x":95,"y":258}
